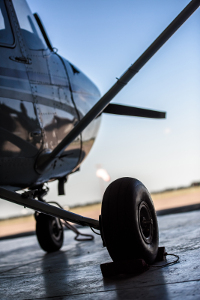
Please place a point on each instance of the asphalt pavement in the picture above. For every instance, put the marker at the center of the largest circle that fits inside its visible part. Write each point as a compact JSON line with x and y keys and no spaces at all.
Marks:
{"x":26,"y":272}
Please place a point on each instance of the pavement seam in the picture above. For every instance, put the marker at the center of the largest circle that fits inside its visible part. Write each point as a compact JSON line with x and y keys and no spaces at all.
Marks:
{"x":112,"y":290}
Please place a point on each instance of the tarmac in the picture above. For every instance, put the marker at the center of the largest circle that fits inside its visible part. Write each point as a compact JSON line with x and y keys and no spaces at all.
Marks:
{"x":26,"y":272}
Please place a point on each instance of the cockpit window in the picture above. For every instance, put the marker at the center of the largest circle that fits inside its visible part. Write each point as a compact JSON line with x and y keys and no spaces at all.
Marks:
{"x":29,"y":28}
{"x":6,"y":36}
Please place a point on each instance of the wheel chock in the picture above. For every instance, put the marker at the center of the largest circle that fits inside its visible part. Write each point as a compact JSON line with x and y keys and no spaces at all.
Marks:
{"x":133,"y":267}
{"x":130,"y":267}
{"x":161,"y":255}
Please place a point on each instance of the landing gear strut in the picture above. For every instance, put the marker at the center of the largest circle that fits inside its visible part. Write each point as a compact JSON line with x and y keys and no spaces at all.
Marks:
{"x":128,"y":222}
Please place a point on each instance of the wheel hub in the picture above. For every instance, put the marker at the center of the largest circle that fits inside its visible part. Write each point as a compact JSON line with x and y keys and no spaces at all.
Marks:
{"x":56,"y":231}
{"x":145,"y":222}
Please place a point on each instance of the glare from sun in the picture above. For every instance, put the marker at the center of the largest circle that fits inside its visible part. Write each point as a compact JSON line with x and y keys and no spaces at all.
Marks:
{"x":102,"y":173}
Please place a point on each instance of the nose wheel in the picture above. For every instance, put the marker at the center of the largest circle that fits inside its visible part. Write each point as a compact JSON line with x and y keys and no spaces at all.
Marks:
{"x":49,"y":232}
{"x":128,"y":221}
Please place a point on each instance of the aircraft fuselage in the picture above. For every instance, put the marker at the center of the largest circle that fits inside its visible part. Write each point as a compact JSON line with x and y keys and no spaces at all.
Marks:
{"x":42,"y":98}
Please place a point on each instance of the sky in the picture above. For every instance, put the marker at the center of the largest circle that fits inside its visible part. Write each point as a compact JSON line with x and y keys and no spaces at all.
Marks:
{"x":103,"y":38}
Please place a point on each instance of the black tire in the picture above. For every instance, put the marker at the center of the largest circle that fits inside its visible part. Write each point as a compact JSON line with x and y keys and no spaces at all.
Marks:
{"x":49,"y":235}
{"x":129,"y":222}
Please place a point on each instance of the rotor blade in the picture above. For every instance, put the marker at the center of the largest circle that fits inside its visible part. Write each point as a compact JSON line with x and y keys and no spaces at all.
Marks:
{"x":45,"y":160}
{"x":123,"y":110}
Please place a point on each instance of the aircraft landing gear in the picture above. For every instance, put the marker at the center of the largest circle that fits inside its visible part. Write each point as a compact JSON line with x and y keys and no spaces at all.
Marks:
{"x":49,"y":232}
{"x":128,"y":221}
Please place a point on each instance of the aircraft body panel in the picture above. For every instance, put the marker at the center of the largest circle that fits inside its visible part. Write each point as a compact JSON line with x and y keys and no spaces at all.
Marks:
{"x":42,"y":98}
{"x":85,"y":95}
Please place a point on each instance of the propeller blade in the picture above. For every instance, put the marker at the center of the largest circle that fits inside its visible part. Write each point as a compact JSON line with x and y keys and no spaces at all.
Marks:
{"x":123,"y":110}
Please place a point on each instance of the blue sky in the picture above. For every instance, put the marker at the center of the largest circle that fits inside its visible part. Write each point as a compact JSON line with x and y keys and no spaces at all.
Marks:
{"x":103,"y":38}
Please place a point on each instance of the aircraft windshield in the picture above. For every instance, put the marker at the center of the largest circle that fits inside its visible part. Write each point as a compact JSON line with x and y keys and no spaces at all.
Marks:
{"x":6,"y":36}
{"x":29,"y":28}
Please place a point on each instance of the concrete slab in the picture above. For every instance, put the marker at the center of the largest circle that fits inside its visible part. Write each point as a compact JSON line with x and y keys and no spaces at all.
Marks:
{"x":26,"y":272}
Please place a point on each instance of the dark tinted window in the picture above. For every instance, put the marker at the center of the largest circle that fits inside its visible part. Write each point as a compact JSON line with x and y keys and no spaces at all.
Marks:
{"x":29,"y":28}
{"x":6,"y":36}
